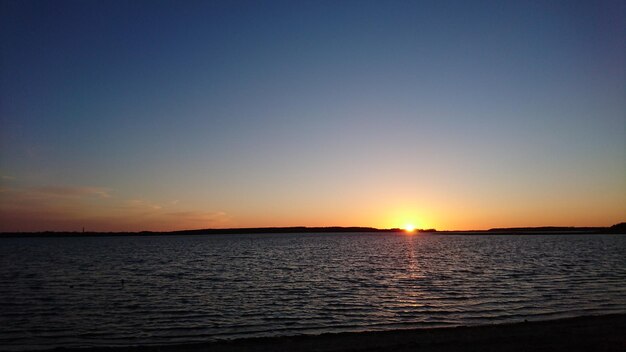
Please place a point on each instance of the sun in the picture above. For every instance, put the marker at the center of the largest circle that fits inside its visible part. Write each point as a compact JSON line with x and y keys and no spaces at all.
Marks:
{"x":409,"y":228}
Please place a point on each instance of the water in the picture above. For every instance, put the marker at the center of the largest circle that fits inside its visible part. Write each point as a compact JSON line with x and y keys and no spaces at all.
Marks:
{"x":77,"y":292}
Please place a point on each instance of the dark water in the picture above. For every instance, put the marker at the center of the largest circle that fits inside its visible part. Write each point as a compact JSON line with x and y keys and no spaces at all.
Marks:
{"x":156,"y":290}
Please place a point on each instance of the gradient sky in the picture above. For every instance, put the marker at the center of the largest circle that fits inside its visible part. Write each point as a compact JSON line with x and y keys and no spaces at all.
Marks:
{"x":162,"y":115}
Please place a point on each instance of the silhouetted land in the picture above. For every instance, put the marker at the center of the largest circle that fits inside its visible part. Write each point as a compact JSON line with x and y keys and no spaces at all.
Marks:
{"x":251,"y":230}
{"x":598,"y":333}
{"x":545,"y":230}
{"x":615,"y":229}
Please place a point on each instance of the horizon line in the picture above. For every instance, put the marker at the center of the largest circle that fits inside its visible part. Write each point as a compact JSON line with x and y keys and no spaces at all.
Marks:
{"x":268,"y":229}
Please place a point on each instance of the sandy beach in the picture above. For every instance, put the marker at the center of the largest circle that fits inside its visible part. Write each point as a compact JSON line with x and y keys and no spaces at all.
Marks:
{"x":596,"y":333}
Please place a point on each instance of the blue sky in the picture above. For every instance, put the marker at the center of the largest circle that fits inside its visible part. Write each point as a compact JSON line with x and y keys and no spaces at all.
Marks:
{"x":270,"y":113}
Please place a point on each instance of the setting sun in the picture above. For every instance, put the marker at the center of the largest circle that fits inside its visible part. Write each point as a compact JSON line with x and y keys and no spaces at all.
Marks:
{"x":409,"y":228}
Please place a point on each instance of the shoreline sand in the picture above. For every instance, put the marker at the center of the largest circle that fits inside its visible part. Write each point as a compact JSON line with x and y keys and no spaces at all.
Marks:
{"x":591,"y":333}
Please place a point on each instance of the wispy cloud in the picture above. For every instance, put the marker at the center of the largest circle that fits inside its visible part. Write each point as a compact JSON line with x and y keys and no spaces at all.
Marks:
{"x":139,"y":204}
{"x":60,"y":195}
{"x":204,"y":219}
{"x":73,"y":191}
{"x":63,"y":208}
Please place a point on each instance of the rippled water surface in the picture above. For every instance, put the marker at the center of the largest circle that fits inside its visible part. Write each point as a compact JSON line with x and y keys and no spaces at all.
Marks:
{"x":159,"y":290}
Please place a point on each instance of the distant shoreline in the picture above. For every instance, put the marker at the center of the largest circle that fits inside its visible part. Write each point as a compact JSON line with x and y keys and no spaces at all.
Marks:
{"x":590,"y":333}
{"x":544,"y":230}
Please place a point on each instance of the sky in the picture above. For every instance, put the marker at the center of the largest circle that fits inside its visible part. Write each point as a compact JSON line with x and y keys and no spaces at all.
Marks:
{"x":167,"y":115}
